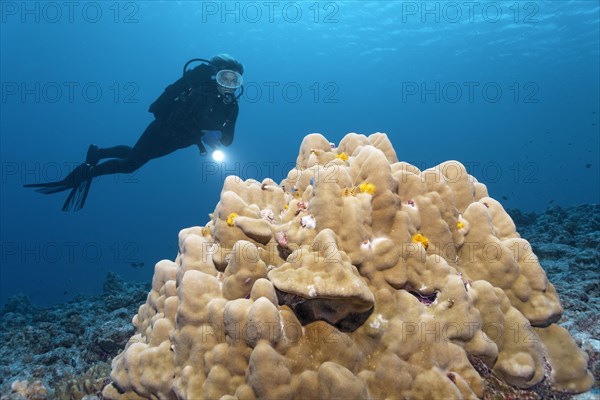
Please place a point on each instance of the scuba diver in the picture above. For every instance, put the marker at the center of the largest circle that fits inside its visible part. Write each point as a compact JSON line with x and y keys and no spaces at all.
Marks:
{"x":200,"y":109}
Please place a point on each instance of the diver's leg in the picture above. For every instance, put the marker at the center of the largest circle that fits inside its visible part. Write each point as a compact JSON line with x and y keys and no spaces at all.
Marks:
{"x":87,"y":169}
{"x":154,"y":143}
{"x":114,"y":152}
{"x":95,"y":153}
{"x":157,"y":141}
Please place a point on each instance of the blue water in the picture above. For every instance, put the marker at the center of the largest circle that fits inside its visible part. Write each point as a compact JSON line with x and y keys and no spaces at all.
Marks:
{"x":510,"y":89}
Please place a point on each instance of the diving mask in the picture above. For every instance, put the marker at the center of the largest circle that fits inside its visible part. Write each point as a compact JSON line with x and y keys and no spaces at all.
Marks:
{"x":229,"y":80}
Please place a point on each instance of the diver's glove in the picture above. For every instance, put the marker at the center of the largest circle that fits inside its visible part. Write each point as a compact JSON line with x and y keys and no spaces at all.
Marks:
{"x":211,"y":139}
{"x":202,"y":149}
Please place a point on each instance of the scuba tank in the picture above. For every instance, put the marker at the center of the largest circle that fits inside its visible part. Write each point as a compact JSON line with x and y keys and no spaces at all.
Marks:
{"x":174,"y":94}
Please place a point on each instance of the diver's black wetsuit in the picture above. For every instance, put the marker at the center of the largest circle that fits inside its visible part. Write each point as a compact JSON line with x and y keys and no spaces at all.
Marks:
{"x":182,"y":112}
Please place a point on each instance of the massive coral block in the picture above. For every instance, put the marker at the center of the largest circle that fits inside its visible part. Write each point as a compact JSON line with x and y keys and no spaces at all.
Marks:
{"x":357,"y":277}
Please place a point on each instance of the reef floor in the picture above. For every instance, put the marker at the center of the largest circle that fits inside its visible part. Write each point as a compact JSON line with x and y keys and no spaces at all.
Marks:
{"x":64,"y":351}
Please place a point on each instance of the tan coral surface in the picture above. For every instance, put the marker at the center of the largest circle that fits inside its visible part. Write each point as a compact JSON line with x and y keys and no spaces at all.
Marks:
{"x":357,"y":277}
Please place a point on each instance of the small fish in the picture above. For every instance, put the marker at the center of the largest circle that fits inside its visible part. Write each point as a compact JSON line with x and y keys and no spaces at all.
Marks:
{"x":66,"y":292}
{"x":504,"y":198}
{"x":588,"y":165}
{"x":137,"y":265}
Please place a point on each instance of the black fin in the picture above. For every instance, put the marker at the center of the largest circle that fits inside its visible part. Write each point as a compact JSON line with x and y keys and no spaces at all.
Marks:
{"x":78,"y":196}
{"x":49,"y":187}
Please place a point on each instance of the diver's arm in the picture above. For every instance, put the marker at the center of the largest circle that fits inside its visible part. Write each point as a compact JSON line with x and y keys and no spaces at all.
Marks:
{"x":229,"y":127}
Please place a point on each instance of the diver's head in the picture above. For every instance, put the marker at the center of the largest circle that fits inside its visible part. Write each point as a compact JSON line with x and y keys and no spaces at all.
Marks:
{"x":225,"y":61}
{"x":228,"y":76}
